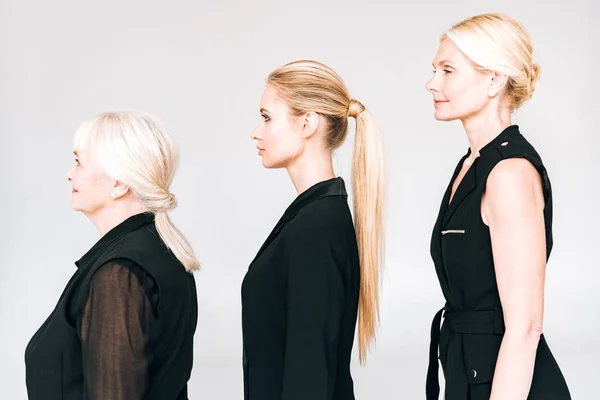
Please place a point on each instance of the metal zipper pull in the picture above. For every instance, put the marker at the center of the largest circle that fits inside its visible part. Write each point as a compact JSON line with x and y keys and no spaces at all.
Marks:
{"x":461,"y":231}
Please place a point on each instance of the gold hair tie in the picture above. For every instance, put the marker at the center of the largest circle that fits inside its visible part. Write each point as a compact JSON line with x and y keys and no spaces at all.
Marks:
{"x":355,"y":108}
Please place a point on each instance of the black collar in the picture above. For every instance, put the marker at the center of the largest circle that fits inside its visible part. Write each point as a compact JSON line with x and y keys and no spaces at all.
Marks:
{"x":502,"y":137}
{"x":129,"y":225}
{"x":330,"y":187}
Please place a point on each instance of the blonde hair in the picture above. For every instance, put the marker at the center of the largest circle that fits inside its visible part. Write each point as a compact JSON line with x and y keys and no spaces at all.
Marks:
{"x":497,"y":42}
{"x":307,"y":86}
{"x":135,"y":149}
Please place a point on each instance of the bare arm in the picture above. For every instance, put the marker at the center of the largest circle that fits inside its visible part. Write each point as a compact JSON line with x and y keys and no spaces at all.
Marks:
{"x":513,"y":208}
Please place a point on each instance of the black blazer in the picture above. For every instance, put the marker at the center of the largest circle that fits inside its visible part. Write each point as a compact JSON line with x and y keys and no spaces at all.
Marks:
{"x":123,"y":327}
{"x":461,"y":248}
{"x":300,"y":302}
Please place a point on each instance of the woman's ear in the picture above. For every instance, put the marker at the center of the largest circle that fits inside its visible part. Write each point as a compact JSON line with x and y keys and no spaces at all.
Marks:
{"x":310,"y":123}
{"x":497,"y":83}
{"x":118,"y":190}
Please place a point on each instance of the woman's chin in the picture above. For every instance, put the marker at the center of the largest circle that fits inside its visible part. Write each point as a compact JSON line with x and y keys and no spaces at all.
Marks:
{"x":443,"y":117}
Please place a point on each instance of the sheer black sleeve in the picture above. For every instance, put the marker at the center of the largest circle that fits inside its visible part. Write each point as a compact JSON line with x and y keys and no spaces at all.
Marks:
{"x":115,"y":329}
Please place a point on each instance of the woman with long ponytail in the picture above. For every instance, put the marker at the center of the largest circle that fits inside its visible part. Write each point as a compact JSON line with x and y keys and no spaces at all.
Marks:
{"x":123,"y":328}
{"x":318,"y":271}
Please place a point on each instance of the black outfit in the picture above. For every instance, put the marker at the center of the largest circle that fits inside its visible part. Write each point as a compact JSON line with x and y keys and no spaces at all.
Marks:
{"x":123,"y":327}
{"x":300,"y":302}
{"x":461,"y":249}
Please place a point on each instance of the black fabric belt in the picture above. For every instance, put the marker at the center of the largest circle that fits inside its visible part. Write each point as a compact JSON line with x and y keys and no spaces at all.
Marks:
{"x":460,"y":322}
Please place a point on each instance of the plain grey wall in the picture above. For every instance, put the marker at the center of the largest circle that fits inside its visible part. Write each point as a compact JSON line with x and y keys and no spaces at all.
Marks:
{"x":200,"y":66}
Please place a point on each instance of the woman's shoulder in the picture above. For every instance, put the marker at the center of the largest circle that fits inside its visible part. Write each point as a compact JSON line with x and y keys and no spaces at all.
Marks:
{"x":124,"y":275}
{"x":324,"y":213}
{"x":324,"y":222}
{"x":517,"y":145}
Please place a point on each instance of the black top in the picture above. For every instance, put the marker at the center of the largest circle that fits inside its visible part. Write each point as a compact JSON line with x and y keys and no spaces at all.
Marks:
{"x":300,"y":302}
{"x":123,"y":327}
{"x":461,"y":249}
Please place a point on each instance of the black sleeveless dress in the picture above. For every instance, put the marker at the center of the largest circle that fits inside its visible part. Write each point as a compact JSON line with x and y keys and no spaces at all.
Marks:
{"x":461,"y":248}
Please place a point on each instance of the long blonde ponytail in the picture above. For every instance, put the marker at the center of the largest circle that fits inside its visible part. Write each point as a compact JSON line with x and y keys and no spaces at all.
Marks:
{"x":369,"y":190}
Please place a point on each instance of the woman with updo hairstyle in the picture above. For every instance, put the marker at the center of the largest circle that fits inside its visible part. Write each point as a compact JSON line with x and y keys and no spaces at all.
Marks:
{"x":317,"y":271}
{"x":123,"y":328}
{"x":493,"y":234}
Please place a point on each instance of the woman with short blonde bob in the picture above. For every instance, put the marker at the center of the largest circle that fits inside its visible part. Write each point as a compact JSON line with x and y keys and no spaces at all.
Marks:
{"x":493,"y":235}
{"x":123,"y":328}
{"x":317,"y":270}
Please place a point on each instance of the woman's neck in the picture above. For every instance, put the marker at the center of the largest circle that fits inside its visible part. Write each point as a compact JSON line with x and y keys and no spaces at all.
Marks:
{"x":108,"y":217}
{"x":481,"y":129}
{"x":308,"y":171}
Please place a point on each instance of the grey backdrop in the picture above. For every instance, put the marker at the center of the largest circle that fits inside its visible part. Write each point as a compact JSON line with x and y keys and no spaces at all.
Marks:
{"x":201,"y":66}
